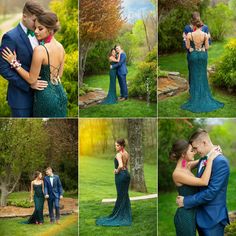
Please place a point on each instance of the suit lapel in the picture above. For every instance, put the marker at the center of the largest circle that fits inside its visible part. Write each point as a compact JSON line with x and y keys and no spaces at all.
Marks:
{"x":26,"y":40}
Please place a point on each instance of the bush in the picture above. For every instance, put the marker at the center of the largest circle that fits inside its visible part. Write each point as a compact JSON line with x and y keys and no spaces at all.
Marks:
{"x":97,"y":59}
{"x":170,"y":32}
{"x":219,"y":20}
{"x":20,"y":203}
{"x":147,"y":74}
{"x":225,"y":75}
{"x":4,"y":108}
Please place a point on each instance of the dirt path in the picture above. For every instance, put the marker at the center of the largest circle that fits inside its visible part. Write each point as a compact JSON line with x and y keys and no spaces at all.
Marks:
{"x":8,"y":24}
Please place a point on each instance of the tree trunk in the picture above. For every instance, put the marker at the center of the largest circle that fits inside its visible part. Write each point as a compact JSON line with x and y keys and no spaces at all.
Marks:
{"x":146,"y":34}
{"x":135,"y":129}
{"x":83,"y":52}
{"x":4,"y":194}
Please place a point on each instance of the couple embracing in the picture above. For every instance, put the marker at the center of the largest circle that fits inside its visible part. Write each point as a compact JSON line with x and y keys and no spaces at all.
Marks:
{"x":202,"y":198}
{"x":51,"y":189}
{"x":32,"y":61}
{"x":117,"y":59}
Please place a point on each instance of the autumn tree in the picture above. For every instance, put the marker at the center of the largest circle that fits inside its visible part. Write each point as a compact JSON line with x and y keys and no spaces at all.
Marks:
{"x":135,"y":137}
{"x":23,"y":145}
{"x":99,"y":20}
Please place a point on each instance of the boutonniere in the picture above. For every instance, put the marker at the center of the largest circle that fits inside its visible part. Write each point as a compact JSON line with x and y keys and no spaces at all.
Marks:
{"x":204,"y":163}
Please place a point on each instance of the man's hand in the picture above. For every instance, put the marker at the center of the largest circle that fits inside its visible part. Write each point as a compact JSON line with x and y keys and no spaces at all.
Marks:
{"x":61,"y":197}
{"x":39,"y":85}
{"x":110,"y":66}
{"x":180,"y":201}
{"x":46,"y":196}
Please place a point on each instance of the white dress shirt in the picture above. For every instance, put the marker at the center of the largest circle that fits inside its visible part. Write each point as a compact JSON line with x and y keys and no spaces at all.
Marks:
{"x":51,"y":179}
{"x":33,"y":41}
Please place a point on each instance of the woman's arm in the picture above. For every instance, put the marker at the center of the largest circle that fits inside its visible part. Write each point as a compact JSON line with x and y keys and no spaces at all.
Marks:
{"x":188,"y":41}
{"x":112,"y":58}
{"x":37,"y":60}
{"x":43,"y":186}
{"x":120,"y":166}
{"x":31,"y":191}
{"x":183,"y":178}
{"x":206,"y":41}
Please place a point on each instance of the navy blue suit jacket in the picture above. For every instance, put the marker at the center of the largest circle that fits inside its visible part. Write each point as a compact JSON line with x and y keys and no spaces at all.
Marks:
{"x":19,"y":94}
{"x":54,"y":191}
{"x":211,"y":200}
{"x":121,"y":65}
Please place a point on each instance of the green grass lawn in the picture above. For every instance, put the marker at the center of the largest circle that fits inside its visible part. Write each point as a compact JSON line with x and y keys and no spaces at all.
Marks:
{"x":170,"y":107}
{"x":167,"y":207}
{"x":97,"y":183}
{"x":14,"y":226}
{"x":130,"y":108}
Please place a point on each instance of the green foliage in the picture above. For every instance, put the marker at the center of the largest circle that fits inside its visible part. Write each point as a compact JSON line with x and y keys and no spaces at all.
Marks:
{"x":232,"y":6}
{"x":231,"y":229}
{"x":67,"y":11}
{"x":225,"y":75}
{"x":97,"y":60}
{"x":219,"y":19}
{"x":169,"y":131}
{"x":146,"y":78}
{"x":20,"y":203}
{"x":4,"y":108}
{"x":170,"y":31}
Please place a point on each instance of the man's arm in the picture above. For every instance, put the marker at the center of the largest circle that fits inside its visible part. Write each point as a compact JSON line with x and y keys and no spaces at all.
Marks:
{"x":60,"y":187}
{"x":45,"y":187}
{"x":5,"y":69}
{"x":217,"y":181}
{"x":185,"y":33}
{"x":122,"y":60}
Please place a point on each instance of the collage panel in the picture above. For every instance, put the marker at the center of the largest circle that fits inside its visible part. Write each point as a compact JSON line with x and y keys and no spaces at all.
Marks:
{"x":196,"y":176}
{"x":39,"y":177}
{"x":118,"y":181}
{"x":118,"y":58}
{"x":196,"y":47}
{"x":39,"y":58}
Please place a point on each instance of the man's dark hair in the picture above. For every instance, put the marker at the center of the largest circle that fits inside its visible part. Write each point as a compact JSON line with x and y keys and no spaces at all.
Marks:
{"x":196,"y":135}
{"x":32,"y":7}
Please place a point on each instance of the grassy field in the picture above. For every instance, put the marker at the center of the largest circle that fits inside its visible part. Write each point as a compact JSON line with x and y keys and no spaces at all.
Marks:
{"x":167,"y":207}
{"x":177,"y":62}
{"x":97,"y":183}
{"x":130,"y":108}
{"x":14,"y":226}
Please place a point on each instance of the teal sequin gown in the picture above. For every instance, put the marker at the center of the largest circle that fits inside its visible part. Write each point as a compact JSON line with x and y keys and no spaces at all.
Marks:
{"x":52,"y":101}
{"x":38,"y":202}
{"x":121,"y":214}
{"x":111,"y":96}
{"x":185,"y":220}
{"x":200,"y":99}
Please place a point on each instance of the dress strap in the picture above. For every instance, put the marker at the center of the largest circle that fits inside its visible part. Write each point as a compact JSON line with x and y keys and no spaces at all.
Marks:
{"x":47,"y":54}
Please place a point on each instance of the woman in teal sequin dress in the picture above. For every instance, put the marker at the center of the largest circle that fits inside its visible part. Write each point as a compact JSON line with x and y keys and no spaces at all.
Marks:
{"x":37,"y":188}
{"x":187,"y":183}
{"x":200,"y":99}
{"x":111,"y":96}
{"x":121,"y":214}
{"x":47,"y":65}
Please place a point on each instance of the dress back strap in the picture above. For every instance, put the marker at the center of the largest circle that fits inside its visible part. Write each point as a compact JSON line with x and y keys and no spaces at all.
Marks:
{"x":47,"y":54}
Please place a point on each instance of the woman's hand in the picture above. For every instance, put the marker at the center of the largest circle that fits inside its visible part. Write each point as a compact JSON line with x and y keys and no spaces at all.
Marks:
{"x":31,"y":200}
{"x":217,"y":151}
{"x":115,"y":171}
{"x":8,"y":55}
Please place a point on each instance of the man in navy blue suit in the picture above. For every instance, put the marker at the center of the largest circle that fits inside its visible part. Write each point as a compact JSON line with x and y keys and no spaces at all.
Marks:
{"x":21,"y":39}
{"x":53,"y":193}
{"x":210,"y":201}
{"x":121,"y":73}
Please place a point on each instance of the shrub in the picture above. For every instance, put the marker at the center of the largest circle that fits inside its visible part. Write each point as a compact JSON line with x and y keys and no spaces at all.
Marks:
{"x":219,"y":20}
{"x":20,"y":203}
{"x":225,"y":75}
{"x":147,"y":74}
